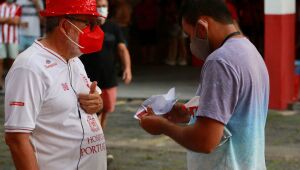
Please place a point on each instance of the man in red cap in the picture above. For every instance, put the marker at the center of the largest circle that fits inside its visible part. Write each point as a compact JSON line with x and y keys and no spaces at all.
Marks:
{"x":50,"y":104}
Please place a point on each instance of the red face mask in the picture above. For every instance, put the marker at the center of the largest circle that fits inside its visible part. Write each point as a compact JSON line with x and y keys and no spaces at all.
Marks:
{"x":89,"y":41}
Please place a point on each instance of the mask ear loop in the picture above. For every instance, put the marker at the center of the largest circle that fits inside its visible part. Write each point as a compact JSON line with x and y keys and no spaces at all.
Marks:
{"x":70,"y":38}
{"x":75,"y":26}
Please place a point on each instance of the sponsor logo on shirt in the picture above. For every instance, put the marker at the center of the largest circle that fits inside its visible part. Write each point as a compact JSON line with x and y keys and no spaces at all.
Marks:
{"x":97,"y":144}
{"x":65,"y":86}
{"x":86,"y":81}
{"x":17,"y":103}
{"x":49,"y":64}
{"x":93,"y":124}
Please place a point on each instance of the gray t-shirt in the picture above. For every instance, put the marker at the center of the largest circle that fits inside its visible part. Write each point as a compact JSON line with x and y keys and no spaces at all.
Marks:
{"x":234,"y":90}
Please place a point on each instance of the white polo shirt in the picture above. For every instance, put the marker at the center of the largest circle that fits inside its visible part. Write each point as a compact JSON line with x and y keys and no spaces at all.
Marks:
{"x":41,"y":98}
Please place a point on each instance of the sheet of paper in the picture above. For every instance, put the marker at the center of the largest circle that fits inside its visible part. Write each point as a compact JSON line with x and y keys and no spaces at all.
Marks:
{"x":192,"y":105}
{"x":160,"y":104}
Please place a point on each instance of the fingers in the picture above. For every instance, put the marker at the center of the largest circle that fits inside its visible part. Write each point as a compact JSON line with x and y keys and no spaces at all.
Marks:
{"x":91,"y":109}
{"x":126,"y":77}
{"x":150,"y":111}
{"x":93,"y":87}
{"x":91,"y":106}
{"x":168,"y":116}
{"x":88,"y":96}
{"x":89,"y":102}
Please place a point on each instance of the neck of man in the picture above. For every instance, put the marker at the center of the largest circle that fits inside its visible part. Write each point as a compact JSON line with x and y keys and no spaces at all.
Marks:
{"x":219,"y":33}
{"x":57,"y":43}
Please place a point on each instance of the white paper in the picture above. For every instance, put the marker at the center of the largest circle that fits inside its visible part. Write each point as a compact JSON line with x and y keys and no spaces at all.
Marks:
{"x":193,"y":102}
{"x":192,"y":105}
{"x":160,"y":104}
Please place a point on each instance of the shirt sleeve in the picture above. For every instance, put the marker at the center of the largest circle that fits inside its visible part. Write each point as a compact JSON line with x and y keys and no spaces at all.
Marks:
{"x":219,"y":91}
{"x":120,"y":38}
{"x":24,"y":92}
{"x":19,"y":12}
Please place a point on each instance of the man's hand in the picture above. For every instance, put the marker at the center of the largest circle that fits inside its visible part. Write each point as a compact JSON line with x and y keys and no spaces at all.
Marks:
{"x":178,"y":114}
{"x":203,"y":136}
{"x":3,"y":20}
{"x":151,"y":123}
{"x":91,"y":103}
{"x":127,"y":76}
{"x":24,"y":24}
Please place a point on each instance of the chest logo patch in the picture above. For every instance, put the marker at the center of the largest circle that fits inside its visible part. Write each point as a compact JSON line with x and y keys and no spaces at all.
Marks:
{"x":93,"y":124}
{"x":65,"y":86}
{"x":86,"y":81}
{"x":49,"y":64}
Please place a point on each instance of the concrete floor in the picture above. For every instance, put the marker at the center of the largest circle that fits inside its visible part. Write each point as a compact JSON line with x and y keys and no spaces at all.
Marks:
{"x":151,"y":80}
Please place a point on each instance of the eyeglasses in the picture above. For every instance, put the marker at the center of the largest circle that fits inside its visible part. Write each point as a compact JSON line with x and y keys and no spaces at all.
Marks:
{"x":88,"y":22}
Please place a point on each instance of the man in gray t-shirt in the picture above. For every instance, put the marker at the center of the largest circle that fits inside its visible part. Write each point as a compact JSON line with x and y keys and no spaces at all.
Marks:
{"x":227,"y":131}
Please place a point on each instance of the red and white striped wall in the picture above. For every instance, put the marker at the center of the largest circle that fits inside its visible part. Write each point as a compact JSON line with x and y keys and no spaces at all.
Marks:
{"x":280,"y":23}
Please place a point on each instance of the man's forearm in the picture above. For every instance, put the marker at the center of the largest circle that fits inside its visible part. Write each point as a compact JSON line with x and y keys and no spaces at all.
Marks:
{"x":14,"y":21}
{"x":200,"y":137}
{"x":3,"y":20}
{"x":124,"y":56}
{"x":184,"y":136}
{"x":22,"y":153}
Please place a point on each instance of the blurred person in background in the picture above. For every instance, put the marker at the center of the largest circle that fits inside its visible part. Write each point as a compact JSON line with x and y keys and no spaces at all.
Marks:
{"x":234,"y":13}
{"x":31,"y":22}
{"x":146,"y":17}
{"x":100,"y":66}
{"x":252,"y":23}
{"x":122,"y":17}
{"x":177,"y":53}
{"x":10,"y":13}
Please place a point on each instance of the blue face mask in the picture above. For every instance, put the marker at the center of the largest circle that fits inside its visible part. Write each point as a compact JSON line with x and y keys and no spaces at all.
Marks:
{"x":103,"y":11}
{"x":199,"y":47}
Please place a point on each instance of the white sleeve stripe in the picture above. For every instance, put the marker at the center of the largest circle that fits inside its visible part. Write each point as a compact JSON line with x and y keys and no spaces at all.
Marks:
{"x":17,"y":131}
{"x":16,"y":128}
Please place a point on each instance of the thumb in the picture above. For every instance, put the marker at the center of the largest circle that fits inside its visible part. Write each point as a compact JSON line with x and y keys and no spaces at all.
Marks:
{"x":124,"y":76}
{"x":93,"y":87}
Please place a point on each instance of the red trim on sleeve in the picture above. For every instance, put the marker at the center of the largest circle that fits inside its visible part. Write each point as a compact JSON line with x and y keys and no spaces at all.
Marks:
{"x":26,"y":129}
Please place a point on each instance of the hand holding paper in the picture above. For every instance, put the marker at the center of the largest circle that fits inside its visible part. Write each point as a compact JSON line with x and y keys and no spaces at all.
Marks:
{"x":160,"y":104}
{"x":152,"y":123}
